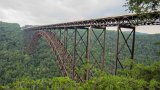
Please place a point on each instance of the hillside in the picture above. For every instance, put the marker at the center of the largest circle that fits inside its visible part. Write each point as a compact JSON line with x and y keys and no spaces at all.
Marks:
{"x":16,"y":64}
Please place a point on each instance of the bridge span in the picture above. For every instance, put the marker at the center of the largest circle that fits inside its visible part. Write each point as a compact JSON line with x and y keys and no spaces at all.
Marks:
{"x":80,"y":43}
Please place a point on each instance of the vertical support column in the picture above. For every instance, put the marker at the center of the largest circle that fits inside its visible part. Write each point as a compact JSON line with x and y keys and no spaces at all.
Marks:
{"x":88,"y":51}
{"x":133,"y":44}
{"x":117,"y":49}
{"x":65,"y":37}
{"x":74,"y":53}
{"x":104,"y":49}
{"x":88,"y":44}
{"x":131,"y":49}
{"x":60,"y":36}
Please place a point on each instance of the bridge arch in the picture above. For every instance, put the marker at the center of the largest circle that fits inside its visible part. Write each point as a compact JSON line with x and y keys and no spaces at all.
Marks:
{"x":64,"y":60}
{"x":62,"y":57}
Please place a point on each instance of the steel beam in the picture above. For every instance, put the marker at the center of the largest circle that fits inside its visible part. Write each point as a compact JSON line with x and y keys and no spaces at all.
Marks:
{"x":118,"y":51}
{"x":67,"y":60}
{"x":134,"y":19}
{"x":65,"y":37}
{"x":74,"y":53}
{"x":88,"y":52}
{"x":104,"y":50}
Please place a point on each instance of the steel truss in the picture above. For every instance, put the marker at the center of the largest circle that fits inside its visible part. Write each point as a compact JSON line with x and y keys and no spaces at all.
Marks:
{"x":133,"y":19}
{"x":83,"y":43}
{"x":119,"y":47}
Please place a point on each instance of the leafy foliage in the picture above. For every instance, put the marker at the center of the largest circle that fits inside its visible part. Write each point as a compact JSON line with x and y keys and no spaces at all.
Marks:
{"x":16,"y":64}
{"x":140,"y":71}
{"x":62,"y":83}
{"x":19,"y":71}
{"x":109,"y":82}
{"x":140,"y":6}
{"x":105,"y":82}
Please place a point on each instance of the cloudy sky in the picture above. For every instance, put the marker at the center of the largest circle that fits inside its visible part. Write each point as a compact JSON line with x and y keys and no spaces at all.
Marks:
{"x":40,"y":12}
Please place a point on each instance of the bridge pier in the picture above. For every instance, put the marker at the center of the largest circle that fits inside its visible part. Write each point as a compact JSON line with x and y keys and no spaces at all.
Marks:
{"x":119,"y":49}
{"x":74,"y":53}
{"x":65,"y":37}
{"x":104,"y":50}
{"x":88,"y":46}
{"x":75,"y":48}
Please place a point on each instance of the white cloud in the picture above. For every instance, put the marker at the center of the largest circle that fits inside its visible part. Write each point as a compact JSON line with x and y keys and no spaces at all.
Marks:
{"x":40,"y":12}
{"x":153,"y":29}
{"x":11,"y":15}
{"x":149,"y":29}
{"x":55,"y":11}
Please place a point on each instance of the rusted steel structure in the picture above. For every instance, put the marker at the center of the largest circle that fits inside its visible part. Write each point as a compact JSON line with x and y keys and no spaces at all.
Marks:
{"x":80,"y":43}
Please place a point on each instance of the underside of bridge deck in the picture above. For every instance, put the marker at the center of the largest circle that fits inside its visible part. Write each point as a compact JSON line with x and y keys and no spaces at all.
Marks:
{"x":80,"y":43}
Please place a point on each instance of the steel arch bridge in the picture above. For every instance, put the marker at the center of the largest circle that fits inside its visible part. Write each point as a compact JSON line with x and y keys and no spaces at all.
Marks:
{"x":77,"y":43}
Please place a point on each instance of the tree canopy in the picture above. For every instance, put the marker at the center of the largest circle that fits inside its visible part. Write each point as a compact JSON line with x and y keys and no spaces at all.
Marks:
{"x":142,"y":6}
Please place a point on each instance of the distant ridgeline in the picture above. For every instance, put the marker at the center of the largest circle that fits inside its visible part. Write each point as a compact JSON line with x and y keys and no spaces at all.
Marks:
{"x":9,"y":26}
{"x":16,"y":64}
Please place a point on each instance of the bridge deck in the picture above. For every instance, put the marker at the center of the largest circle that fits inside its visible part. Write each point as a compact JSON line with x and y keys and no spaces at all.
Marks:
{"x":73,"y":49}
{"x":133,"y":19}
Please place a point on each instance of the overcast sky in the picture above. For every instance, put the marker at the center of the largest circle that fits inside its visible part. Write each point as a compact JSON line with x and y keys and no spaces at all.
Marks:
{"x":40,"y":12}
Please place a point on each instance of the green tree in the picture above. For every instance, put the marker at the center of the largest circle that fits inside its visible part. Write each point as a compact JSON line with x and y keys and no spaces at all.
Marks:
{"x":139,"y":6}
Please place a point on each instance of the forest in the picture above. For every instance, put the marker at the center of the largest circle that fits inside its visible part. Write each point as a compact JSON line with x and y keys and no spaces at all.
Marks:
{"x":20,"y":71}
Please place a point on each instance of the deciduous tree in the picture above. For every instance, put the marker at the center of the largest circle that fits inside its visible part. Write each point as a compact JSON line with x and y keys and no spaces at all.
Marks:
{"x":142,"y":6}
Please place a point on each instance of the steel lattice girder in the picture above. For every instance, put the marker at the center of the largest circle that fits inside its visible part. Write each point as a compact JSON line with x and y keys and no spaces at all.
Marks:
{"x":133,"y":19}
{"x":74,"y":56}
